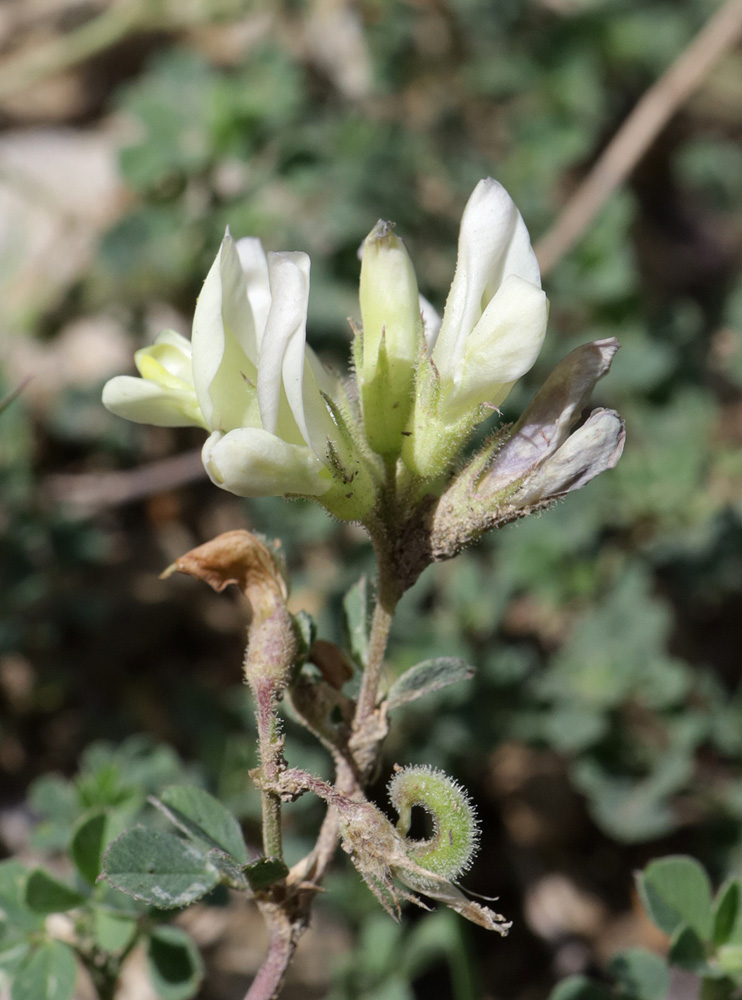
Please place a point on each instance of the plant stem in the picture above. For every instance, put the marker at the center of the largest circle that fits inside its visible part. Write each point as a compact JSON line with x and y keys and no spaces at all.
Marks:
{"x":270,"y":745}
{"x":285,"y":926}
{"x":324,"y":849}
{"x":380,"y":628}
{"x":67,"y":50}
{"x":386,"y":603}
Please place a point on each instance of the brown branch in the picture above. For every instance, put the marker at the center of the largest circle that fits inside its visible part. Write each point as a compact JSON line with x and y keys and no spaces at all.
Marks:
{"x":26,"y":68}
{"x":640,"y":129}
{"x":119,"y":20}
{"x":14,"y":393}
{"x":91,"y":491}
{"x":286,"y":922}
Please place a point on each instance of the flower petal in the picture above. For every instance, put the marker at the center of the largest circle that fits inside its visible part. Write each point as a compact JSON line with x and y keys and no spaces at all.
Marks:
{"x":285,"y":375}
{"x":549,"y":417}
{"x":289,"y":277}
{"x":166,"y":362}
{"x":225,"y":346}
{"x":146,"y":402}
{"x":592,"y":449}
{"x":254,"y":265}
{"x":431,"y":322}
{"x":175,"y":354}
{"x":502,"y":347}
{"x":493,"y":243}
{"x":447,"y":892}
{"x":250,"y":462}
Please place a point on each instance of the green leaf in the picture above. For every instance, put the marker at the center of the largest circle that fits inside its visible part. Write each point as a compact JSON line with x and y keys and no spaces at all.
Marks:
{"x":89,"y":839}
{"x":393,"y":988}
{"x":45,"y":894}
{"x":49,"y":974}
{"x":159,"y":868}
{"x":205,"y":819}
{"x":175,"y":965}
{"x":358,"y":608}
{"x":113,"y":932}
{"x":264,"y":872}
{"x":580,"y":988}
{"x":54,"y":797}
{"x":306,"y":627}
{"x":688,"y":952}
{"x":677,"y":891}
{"x":13,"y":876}
{"x":12,"y":954}
{"x":729,"y":957}
{"x":426,"y":677}
{"x":641,"y":974}
{"x":728,"y":914}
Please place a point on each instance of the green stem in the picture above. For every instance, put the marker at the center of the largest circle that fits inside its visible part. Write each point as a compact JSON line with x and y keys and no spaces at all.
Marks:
{"x":270,"y":745}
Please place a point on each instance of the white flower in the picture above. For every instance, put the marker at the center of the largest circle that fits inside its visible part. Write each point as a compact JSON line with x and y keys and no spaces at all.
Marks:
{"x":248,"y":377}
{"x":492,"y":330}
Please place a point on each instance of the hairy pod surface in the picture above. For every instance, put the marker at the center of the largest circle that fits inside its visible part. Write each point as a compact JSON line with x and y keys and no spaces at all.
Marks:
{"x":455,"y":838}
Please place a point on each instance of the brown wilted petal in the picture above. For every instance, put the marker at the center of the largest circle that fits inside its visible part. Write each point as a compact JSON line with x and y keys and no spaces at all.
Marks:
{"x":590,"y":450}
{"x":553,"y":411}
{"x":236,"y":557}
{"x":445,"y":891}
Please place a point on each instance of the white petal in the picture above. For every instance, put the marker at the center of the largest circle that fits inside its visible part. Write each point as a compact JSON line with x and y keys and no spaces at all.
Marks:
{"x":175,"y":339}
{"x":224,"y":345}
{"x":431,"y":322}
{"x":250,"y":462}
{"x":503,"y":345}
{"x":289,"y":276}
{"x":145,"y":402}
{"x":326,"y":380}
{"x":255,"y":268}
{"x":172,"y":352}
{"x":493,"y":243}
{"x":284,"y":371}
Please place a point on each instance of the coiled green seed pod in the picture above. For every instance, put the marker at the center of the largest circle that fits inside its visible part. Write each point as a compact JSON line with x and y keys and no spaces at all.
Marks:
{"x":455,"y":838}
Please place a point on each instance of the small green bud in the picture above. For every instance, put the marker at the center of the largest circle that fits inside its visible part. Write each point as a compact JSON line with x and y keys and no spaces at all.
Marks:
{"x":392,"y":338}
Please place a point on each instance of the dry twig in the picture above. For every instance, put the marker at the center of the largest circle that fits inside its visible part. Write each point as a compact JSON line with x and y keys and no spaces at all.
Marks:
{"x":91,"y":491}
{"x":640,"y":129}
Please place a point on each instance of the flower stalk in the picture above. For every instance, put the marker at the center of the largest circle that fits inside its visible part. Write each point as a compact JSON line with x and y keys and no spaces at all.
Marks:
{"x":387,"y":452}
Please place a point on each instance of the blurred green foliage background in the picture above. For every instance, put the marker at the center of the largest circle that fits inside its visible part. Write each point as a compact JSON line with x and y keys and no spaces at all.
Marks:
{"x":604,"y":725}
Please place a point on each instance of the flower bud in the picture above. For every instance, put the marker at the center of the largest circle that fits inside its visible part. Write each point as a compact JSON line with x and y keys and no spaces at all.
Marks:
{"x":392,"y":338}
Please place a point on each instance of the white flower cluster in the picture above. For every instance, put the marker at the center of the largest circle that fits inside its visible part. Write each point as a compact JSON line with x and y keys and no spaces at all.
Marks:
{"x":279,"y":423}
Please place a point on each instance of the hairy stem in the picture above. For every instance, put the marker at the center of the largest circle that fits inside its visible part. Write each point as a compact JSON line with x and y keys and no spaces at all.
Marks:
{"x":270,"y":744}
{"x":285,"y":924}
{"x":380,"y":627}
{"x":386,"y":602}
{"x":345,"y":783}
